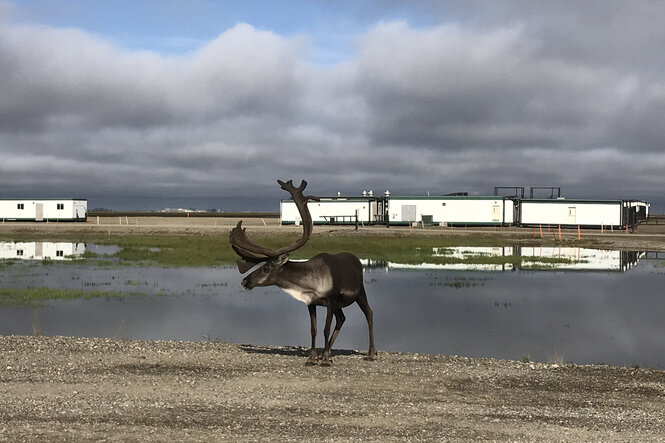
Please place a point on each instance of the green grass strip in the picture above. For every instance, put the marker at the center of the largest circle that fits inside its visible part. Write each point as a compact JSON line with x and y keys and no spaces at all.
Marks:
{"x":26,"y":297}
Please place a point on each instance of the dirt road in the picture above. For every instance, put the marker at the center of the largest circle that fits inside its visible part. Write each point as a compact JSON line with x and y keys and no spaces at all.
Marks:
{"x":56,"y":389}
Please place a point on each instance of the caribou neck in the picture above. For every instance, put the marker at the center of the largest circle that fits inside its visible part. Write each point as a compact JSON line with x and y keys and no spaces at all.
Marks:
{"x":297,"y":275}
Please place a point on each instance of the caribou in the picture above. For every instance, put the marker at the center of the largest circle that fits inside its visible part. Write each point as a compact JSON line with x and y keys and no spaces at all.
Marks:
{"x":334,"y":281}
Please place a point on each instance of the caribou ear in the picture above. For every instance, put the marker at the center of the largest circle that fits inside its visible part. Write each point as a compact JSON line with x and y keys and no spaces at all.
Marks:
{"x":281,"y":259}
{"x":244,"y":266}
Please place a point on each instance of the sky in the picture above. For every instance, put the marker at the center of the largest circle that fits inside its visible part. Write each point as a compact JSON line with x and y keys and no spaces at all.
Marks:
{"x":136,"y":104}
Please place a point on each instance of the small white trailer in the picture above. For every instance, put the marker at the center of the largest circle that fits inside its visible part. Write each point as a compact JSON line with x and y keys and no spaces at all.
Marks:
{"x":43,"y":210}
{"x":564,"y":212}
{"x":452,"y":210}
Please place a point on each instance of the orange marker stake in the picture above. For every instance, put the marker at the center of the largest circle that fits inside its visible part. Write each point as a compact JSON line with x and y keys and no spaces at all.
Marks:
{"x":579,"y":233}
{"x":559,"y":232}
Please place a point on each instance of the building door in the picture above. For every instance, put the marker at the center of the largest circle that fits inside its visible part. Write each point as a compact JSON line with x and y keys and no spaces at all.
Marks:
{"x":409,"y":213}
{"x":39,"y":211}
{"x":496,"y":213}
{"x":572,"y":215}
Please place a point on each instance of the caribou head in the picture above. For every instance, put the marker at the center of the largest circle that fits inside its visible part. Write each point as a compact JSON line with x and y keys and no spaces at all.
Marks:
{"x":251,"y":253}
{"x":334,"y":281}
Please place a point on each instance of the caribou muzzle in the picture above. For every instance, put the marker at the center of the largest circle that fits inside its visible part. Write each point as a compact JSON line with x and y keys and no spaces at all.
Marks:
{"x":245,"y":283}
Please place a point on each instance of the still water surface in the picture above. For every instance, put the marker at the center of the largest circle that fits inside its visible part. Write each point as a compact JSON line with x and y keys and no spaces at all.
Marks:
{"x":591,"y":315}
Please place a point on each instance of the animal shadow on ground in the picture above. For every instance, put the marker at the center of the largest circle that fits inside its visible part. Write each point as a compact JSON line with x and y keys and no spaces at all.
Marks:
{"x":291,"y":351}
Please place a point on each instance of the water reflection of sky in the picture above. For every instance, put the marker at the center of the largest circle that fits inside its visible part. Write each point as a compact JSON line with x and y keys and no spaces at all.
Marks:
{"x":583,"y":317}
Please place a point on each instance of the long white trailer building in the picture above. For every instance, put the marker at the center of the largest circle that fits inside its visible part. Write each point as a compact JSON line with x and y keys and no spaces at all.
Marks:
{"x":444,"y":210}
{"x":571,"y":212}
{"x":470,"y":211}
{"x":565,"y":212}
{"x":451,"y":210}
{"x":44,"y":210}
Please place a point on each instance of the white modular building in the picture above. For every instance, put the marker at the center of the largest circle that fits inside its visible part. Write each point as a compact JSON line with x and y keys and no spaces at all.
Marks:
{"x":564,"y":212}
{"x":464,"y":210}
{"x":43,"y":210}
{"x":334,"y":210}
{"x":452,"y":210}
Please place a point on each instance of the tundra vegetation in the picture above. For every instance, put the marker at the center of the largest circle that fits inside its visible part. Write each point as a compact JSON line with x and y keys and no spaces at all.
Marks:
{"x":214,"y":250}
{"x":15,"y":297}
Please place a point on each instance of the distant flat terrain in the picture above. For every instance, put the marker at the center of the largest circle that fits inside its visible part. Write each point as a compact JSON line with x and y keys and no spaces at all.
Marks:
{"x":646,"y":237}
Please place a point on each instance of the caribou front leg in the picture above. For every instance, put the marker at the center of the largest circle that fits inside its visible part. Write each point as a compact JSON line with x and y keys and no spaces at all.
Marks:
{"x":312,"y":319}
{"x":339,"y":321}
{"x":325,"y":358}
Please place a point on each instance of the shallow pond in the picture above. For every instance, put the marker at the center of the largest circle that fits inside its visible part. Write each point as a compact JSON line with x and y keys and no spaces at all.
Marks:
{"x":584,"y":311}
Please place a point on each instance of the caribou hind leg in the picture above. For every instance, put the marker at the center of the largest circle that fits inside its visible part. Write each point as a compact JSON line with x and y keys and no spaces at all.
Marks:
{"x":339,"y":321}
{"x":369,"y":315}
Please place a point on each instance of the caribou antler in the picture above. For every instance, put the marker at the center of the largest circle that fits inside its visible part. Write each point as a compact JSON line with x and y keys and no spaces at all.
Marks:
{"x":247,"y":249}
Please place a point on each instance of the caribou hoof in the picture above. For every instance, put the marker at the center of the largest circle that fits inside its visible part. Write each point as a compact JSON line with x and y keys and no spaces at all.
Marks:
{"x":311,"y":362}
{"x":326,"y":362}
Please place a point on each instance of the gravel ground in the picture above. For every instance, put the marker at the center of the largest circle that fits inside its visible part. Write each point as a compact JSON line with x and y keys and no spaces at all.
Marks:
{"x":78,"y":389}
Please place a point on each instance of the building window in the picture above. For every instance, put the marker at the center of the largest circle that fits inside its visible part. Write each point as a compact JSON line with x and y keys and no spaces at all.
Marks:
{"x":19,"y":252}
{"x":20,"y":206}
{"x":61,"y":206}
{"x":59,"y":253}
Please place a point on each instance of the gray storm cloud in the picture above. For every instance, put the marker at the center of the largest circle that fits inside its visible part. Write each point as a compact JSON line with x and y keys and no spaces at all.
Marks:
{"x":515,"y":100}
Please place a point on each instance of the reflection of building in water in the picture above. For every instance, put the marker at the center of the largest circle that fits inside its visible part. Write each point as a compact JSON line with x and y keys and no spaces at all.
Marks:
{"x":41,"y":250}
{"x":584,"y":259}
{"x":527,"y":258}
